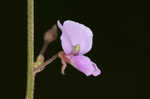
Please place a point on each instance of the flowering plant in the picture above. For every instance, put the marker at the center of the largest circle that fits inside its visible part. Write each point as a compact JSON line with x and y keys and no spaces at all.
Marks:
{"x":76,"y":40}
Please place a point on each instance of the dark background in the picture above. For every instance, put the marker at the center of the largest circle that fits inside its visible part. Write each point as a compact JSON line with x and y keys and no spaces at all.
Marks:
{"x":120,"y":48}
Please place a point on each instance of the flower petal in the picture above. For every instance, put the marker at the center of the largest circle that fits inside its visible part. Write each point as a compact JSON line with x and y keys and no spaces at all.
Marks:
{"x":65,"y":41}
{"x":76,"y":34}
{"x":66,"y":45}
{"x":85,"y":65}
{"x":59,"y":25}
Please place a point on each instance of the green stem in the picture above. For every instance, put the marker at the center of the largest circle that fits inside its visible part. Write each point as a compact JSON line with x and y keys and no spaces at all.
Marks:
{"x":30,"y":76}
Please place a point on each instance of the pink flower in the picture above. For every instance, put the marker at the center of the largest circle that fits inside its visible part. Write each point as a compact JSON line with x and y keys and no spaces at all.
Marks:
{"x":76,"y":40}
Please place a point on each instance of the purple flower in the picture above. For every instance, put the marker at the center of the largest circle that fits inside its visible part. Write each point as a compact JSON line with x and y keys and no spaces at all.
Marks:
{"x":76,"y":40}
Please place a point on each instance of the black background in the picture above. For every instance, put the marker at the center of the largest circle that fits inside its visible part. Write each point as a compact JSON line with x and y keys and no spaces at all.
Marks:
{"x":120,"y":48}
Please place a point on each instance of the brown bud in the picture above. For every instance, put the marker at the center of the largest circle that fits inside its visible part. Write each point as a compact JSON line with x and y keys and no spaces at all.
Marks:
{"x":51,"y":34}
{"x":39,"y":60}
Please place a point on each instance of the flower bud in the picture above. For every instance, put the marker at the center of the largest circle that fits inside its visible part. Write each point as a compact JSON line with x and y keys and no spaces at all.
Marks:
{"x":39,"y":60}
{"x":51,"y":34}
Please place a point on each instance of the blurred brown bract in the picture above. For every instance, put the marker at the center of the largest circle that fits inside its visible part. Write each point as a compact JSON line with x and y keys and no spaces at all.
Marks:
{"x":49,"y":37}
{"x":51,"y":34}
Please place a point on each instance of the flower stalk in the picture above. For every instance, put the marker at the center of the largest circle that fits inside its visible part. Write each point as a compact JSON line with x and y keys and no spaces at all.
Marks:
{"x":30,"y":49}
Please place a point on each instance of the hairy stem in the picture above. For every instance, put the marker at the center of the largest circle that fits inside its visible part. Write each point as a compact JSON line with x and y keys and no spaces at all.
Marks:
{"x":30,"y":37}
